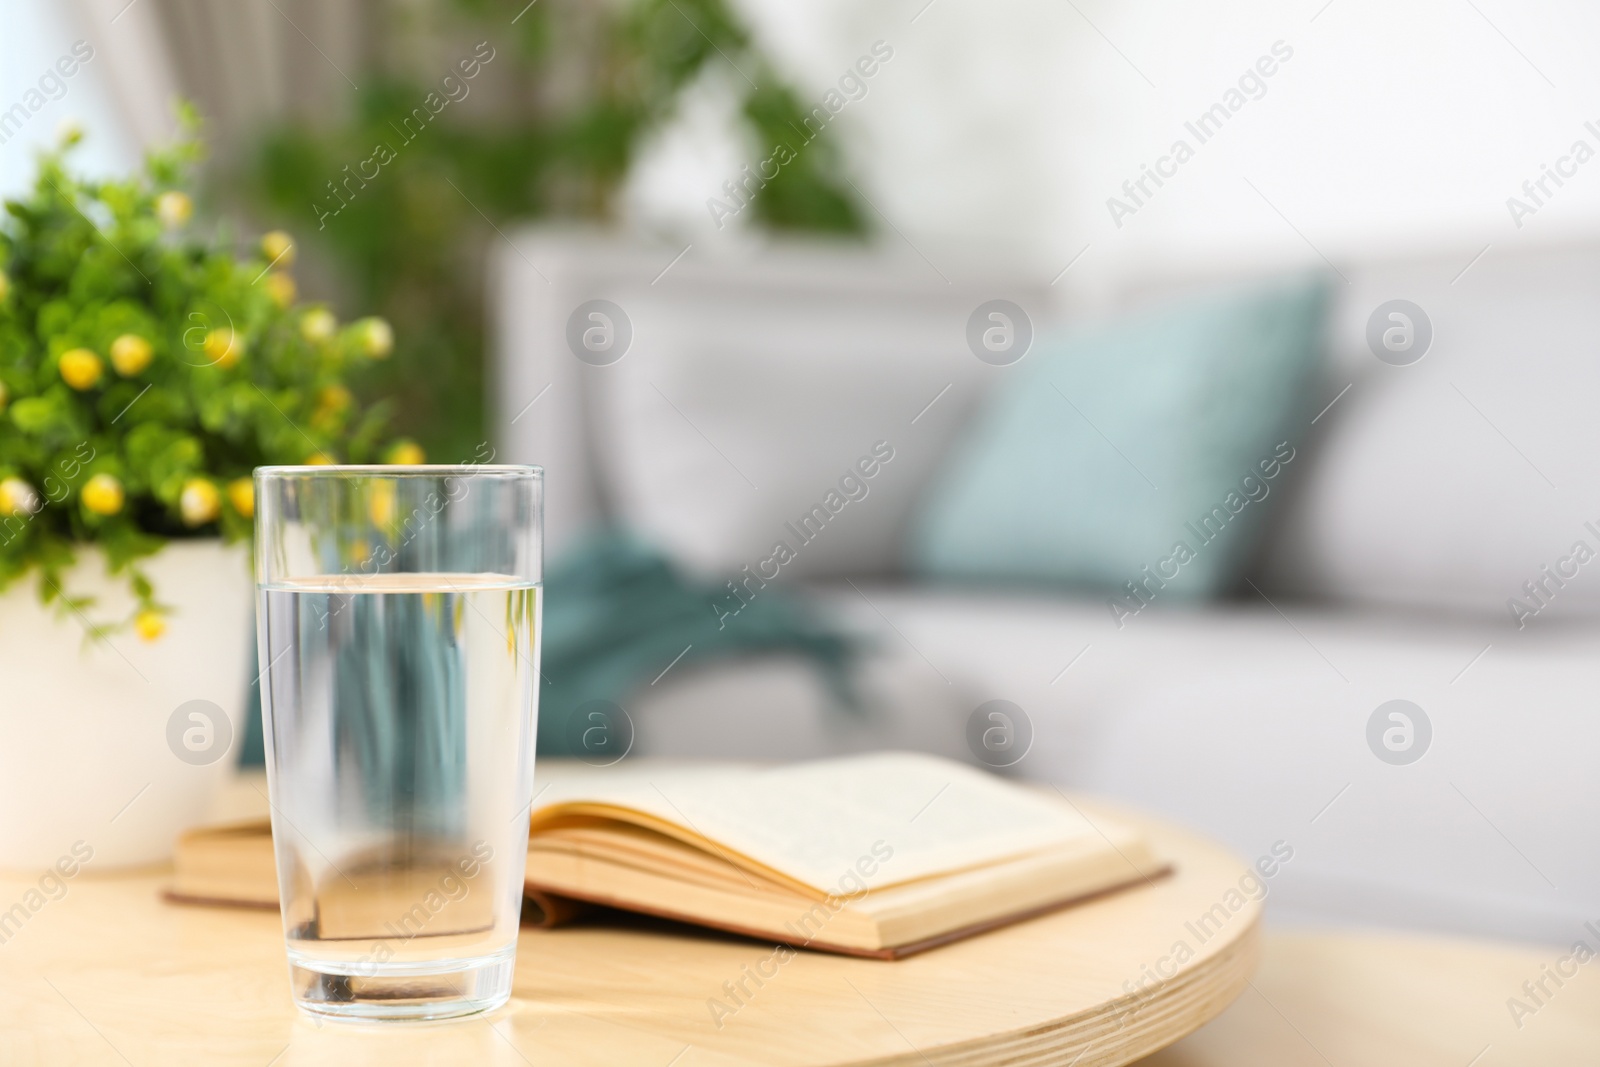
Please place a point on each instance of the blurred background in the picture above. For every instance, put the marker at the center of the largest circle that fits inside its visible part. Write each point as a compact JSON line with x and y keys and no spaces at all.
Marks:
{"x":980,"y":311}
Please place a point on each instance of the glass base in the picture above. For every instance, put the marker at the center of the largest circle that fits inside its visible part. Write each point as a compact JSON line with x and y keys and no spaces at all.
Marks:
{"x":430,"y":991}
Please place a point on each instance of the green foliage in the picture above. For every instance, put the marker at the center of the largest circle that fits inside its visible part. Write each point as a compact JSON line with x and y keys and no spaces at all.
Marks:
{"x":145,"y":371}
{"x":592,"y":80}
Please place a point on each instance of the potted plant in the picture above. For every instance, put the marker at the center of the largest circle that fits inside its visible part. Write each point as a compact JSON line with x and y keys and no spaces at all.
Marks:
{"x":145,"y":370}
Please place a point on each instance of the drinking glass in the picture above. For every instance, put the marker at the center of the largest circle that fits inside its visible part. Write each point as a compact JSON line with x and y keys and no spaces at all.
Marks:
{"x":398,"y":621}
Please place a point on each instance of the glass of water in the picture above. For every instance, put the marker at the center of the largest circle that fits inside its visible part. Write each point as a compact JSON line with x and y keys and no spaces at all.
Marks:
{"x":398,"y":620}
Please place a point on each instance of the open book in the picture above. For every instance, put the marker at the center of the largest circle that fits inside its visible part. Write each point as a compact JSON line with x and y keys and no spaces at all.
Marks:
{"x":879,"y":855}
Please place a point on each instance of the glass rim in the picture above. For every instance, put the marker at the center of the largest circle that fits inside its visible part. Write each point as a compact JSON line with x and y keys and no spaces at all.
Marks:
{"x":402,"y":470}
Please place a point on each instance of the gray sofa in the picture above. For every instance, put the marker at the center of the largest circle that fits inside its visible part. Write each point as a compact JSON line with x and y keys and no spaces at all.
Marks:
{"x":1423,"y":501}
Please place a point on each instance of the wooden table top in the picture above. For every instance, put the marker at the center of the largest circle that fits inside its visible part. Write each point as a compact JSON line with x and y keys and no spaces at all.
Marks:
{"x":1390,"y":1000}
{"x":109,"y":974}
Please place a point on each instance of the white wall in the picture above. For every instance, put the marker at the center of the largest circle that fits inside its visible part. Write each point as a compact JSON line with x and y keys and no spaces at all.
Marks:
{"x":1393,"y":127}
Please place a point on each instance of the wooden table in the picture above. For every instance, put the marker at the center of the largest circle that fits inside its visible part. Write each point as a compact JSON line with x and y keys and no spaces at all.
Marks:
{"x":1366,"y":1000}
{"x":108,"y":974}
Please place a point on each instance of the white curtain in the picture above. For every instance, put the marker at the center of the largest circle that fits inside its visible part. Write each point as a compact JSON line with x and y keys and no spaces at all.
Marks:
{"x":135,"y":64}
{"x":242,"y":62}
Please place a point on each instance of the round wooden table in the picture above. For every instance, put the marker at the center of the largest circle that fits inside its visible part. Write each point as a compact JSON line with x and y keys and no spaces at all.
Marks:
{"x":109,"y":973}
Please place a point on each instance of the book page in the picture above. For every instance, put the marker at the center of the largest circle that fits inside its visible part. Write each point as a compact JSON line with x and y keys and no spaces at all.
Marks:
{"x":843,"y":825}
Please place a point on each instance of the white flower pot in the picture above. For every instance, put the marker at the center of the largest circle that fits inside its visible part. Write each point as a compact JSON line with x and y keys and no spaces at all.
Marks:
{"x":85,"y":757}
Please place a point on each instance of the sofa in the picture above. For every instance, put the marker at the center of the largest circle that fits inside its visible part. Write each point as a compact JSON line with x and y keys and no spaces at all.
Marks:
{"x":728,"y":390}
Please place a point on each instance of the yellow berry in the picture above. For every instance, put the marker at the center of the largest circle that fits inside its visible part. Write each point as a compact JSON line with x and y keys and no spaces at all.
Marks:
{"x":407,"y":454}
{"x":320,"y":459}
{"x":332,"y":404}
{"x":278,"y":247}
{"x":149,"y":625}
{"x":242,"y":495}
{"x":174,"y":209}
{"x":375,"y":337}
{"x":81,"y":368}
{"x":103,"y":494}
{"x":334,"y":398}
{"x":318,"y":325}
{"x":223,"y":347}
{"x":380,"y":502}
{"x":200,"y":502}
{"x":130,"y":354}
{"x":281,"y":288}
{"x":17,"y":497}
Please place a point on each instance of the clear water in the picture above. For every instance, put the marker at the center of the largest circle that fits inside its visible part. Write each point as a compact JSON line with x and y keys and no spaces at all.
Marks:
{"x":400,"y":715}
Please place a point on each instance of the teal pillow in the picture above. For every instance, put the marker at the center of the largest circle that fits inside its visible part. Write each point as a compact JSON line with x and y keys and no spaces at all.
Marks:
{"x":1135,"y":458}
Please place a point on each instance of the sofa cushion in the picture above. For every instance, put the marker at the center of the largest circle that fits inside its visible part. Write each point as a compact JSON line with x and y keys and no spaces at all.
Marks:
{"x":762,"y":415}
{"x":757,"y":384}
{"x":1139,"y":454}
{"x":1469,"y":479}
